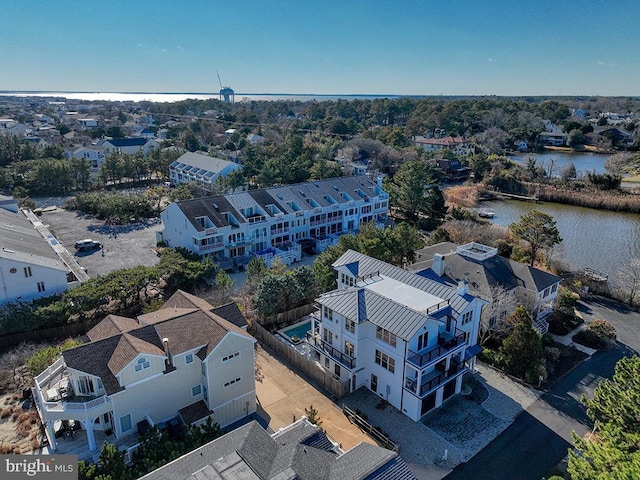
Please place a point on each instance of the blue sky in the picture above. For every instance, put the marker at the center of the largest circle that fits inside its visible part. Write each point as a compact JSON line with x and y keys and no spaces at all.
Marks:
{"x":423,"y":47}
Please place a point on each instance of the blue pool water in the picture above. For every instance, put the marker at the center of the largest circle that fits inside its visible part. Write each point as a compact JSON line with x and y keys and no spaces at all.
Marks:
{"x":299,"y":330}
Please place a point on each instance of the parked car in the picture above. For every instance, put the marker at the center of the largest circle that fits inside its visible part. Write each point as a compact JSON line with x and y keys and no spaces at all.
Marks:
{"x":87,"y":244}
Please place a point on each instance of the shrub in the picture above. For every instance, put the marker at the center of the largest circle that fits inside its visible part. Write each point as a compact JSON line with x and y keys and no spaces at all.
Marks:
{"x":597,"y":334}
{"x":490,"y":356}
{"x":552,"y":354}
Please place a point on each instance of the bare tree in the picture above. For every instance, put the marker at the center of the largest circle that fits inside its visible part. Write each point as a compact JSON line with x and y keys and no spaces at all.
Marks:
{"x":493,"y":322}
{"x":628,"y":279}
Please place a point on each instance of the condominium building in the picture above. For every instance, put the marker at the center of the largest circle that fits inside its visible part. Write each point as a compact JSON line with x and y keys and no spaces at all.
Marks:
{"x":274,"y":222}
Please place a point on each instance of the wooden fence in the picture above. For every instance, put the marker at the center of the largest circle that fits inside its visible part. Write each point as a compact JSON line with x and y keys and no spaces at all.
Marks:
{"x":380,"y":436}
{"x":309,"y":367}
{"x":284,"y":319}
{"x":46,"y":334}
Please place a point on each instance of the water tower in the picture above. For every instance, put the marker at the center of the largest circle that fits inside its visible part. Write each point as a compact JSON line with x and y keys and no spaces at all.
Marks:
{"x":227,"y":95}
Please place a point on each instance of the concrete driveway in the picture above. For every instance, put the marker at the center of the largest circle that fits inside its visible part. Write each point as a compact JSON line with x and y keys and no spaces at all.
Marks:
{"x":283,"y":394}
{"x":125,"y":246}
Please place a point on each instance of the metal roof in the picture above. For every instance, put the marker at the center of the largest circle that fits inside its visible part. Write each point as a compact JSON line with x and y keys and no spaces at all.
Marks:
{"x":364,"y":266}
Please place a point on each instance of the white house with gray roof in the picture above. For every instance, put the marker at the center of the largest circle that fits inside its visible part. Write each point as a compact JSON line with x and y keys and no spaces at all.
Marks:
{"x":299,"y":451}
{"x":200,"y":170}
{"x":183,"y":363}
{"x":486,"y":273}
{"x":29,"y":267}
{"x":274,"y":222}
{"x":405,"y":337}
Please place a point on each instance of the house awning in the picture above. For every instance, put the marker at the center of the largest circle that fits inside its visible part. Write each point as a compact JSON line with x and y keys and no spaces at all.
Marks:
{"x":472,"y":351}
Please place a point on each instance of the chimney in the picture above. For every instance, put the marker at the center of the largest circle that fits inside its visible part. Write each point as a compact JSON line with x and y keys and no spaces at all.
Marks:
{"x":462,"y":288}
{"x":167,"y":352}
{"x":438,"y":264}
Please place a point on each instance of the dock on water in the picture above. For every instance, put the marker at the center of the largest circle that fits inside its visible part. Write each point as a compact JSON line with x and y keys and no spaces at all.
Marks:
{"x":516,"y":197}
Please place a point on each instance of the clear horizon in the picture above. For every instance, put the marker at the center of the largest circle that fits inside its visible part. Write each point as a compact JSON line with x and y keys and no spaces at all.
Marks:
{"x":455,"y":48}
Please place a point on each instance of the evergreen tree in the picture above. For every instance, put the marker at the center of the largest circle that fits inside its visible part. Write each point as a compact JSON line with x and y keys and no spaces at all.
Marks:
{"x":612,"y":451}
{"x":521,"y":351}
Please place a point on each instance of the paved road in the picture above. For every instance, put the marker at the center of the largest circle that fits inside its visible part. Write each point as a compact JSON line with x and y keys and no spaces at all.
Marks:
{"x":539,"y":438}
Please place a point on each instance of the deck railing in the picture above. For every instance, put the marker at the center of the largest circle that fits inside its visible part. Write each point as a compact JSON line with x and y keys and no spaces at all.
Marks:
{"x":438,"y":351}
{"x":336,"y":354}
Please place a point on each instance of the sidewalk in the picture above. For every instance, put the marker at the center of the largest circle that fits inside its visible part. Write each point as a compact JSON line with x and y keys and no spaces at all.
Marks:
{"x":283,"y":394}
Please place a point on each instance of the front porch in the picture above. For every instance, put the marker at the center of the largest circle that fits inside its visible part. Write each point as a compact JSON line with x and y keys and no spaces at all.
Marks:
{"x":77,"y":443}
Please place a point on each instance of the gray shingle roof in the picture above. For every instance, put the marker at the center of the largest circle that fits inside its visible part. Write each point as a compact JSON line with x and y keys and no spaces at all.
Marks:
{"x":202,"y":162}
{"x":20,"y":241}
{"x":249,"y":452}
{"x":482,"y":275}
{"x":300,"y":193}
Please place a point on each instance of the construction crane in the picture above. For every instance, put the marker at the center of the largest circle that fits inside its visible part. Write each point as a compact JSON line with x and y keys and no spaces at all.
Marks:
{"x":227,"y":95}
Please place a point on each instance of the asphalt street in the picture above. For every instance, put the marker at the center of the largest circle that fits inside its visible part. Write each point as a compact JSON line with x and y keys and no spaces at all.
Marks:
{"x":540,"y":437}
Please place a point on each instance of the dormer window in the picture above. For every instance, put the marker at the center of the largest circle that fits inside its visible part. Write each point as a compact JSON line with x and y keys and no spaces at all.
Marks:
{"x":142,"y":364}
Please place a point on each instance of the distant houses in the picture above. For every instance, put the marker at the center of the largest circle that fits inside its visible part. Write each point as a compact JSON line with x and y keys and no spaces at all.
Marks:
{"x":201,"y":170}
{"x":458,"y":145}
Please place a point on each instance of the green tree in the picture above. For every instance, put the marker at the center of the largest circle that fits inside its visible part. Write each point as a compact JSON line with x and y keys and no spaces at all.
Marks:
{"x":612,"y":451}
{"x":575,"y":138}
{"x":411,"y":189}
{"x":538,"y":229}
{"x":521,"y":351}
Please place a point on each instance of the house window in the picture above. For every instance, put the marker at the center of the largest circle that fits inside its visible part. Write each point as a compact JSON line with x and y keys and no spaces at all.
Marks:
{"x":554,"y":287}
{"x":349,"y":325}
{"x":349,"y":349}
{"x":41,"y":286}
{"x":205,"y":394}
{"x":328,"y":336}
{"x":546,"y":292}
{"x":85,"y":385}
{"x":466,"y":318}
{"x":385,"y":361}
{"x":188,"y":359}
{"x":336,"y":369}
{"x":386,"y":336}
{"x":197,"y":390}
{"x":125,"y":423}
{"x":203,"y":369}
{"x":231,"y":382}
{"x":423,"y":340}
{"x":142,"y":364}
{"x":328,"y":313}
{"x":230,"y":357}
{"x":326,"y":362}
{"x":27,"y":272}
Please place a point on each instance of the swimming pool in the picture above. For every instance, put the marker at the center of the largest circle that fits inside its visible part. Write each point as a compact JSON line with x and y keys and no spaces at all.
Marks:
{"x":299,"y":330}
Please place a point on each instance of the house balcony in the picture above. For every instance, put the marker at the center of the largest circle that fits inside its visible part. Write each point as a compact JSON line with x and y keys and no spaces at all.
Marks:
{"x":433,"y":380}
{"x":447,"y":344}
{"x":276,"y":231}
{"x":326,"y":348}
{"x":315,"y":223}
{"x":211,"y":247}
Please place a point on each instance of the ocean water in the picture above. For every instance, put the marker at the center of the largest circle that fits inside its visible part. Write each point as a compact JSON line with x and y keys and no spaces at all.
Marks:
{"x":176,"y":97}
